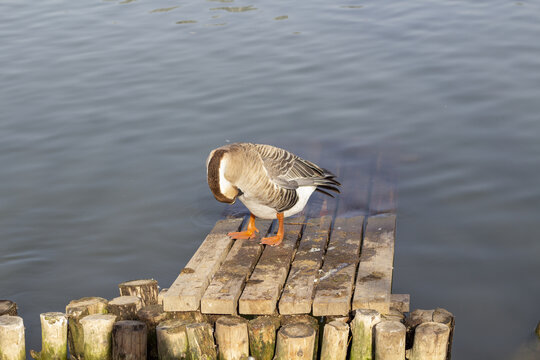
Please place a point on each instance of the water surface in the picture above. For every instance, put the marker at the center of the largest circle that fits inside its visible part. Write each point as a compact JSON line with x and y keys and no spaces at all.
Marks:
{"x":109,"y":109}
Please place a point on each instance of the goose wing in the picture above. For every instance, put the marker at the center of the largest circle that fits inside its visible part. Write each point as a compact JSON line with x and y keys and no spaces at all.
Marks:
{"x":290,"y":171}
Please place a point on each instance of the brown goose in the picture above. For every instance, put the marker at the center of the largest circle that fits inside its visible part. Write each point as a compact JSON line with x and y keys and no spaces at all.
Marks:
{"x":271,"y":182}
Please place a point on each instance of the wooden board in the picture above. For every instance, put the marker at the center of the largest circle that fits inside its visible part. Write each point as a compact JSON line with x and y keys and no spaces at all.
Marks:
{"x":334,"y":288}
{"x":374,"y":278}
{"x":400,"y":302}
{"x":298,"y":292}
{"x":354,"y":196}
{"x":187,"y":290}
{"x":221,"y":296}
{"x":263,"y":288}
{"x":383,"y":194}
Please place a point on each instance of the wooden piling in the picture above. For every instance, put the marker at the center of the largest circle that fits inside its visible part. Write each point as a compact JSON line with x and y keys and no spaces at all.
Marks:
{"x":390,"y":340}
{"x":295,"y":342}
{"x":201,"y":341}
{"x":430,"y":342}
{"x":152,"y":315}
{"x":362,"y":333}
{"x":537,"y":330}
{"x":54,"y":327}
{"x":172,"y":339}
{"x":97,"y":330}
{"x":232,"y":338}
{"x":8,"y":307}
{"x":75,"y":311}
{"x":162,"y":292}
{"x":304,"y":319}
{"x":125,"y":307}
{"x":420,"y":316}
{"x":12,"y":346}
{"x":129,"y":340}
{"x":262,"y":337}
{"x":335,"y":341}
{"x":146,"y":290}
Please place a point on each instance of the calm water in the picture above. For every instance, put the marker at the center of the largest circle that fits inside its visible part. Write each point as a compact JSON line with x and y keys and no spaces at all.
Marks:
{"x":109,"y":109}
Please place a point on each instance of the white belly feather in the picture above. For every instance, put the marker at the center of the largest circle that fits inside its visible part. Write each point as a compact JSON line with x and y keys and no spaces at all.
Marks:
{"x":266,"y":212}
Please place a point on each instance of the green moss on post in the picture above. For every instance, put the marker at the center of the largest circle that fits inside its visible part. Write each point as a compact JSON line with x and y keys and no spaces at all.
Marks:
{"x":75,"y":311}
{"x":362,"y":333}
{"x":152,"y":315}
{"x":172,"y":340}
{"x":12,"y":346}
{"x":97,"y":330}
{"x":335,"y":341}
{"x":201,"y":342}
{"x":54,"y":327}
{"x":262,"y":337}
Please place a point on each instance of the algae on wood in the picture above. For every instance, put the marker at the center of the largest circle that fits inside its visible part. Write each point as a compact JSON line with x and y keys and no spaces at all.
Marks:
{"x":201,"y":342}
{"x":146,"y":290}
{"x":172,"y":339}
{"x":336,"y":282}
{"x":299,"y":289}
{"x":54,"y":327}
{"x":77,"y":310}
{"x":262,"y":337}
{"x":12,"y":345}
{"x":221,"y":296}
{"x":264,"y":286}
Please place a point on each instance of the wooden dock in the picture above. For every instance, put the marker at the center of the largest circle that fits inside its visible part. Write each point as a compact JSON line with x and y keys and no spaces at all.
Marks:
{"x":325,"y":292}
{"x":336,"y":257}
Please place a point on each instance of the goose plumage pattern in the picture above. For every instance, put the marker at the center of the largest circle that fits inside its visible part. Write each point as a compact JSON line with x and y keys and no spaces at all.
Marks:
{"x":271,"y":182}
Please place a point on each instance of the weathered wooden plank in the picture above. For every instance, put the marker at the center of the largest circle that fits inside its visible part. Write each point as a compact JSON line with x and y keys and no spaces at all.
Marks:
{"x":334,"y":288}
{"x":297,"y":294}
{"x":354,"y":196}
{"x":400,"y":302}
{"x":187,"y":290}
{"x":374,"y":278}
{"x":221,"y":296}
{"x":383,"y":194}
{"x":263,"y":288}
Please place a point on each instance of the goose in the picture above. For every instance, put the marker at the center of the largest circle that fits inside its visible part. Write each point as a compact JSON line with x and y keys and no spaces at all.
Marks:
{"x":271,"y":182}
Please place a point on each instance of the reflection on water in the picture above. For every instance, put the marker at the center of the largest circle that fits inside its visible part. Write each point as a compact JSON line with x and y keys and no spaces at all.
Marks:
{"x":109,"y":110}
{"x":163,"y":9}
{"x":235,"y":9}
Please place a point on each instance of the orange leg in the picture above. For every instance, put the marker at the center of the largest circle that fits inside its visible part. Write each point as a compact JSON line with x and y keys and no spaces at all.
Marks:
{"x":275,"y":240}
{"x":250,"y":231}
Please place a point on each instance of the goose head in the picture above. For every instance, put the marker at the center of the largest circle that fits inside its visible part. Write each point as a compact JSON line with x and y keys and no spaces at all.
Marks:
{"x":219,"y":165}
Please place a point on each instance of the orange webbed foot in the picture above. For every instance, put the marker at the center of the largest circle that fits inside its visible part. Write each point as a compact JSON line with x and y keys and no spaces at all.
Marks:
{"x":272,"y":240}
{"x":243,"y":235}
{"x":249,"y":233}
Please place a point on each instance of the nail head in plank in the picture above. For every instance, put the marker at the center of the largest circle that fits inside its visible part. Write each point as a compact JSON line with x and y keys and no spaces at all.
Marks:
{"x":187,"y":290}
{"x":374,"y":278}
{"x":334,"y":288}
{"x":263,"y":288}
{"x":297,"y":294}
{"x":221,"y":296}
